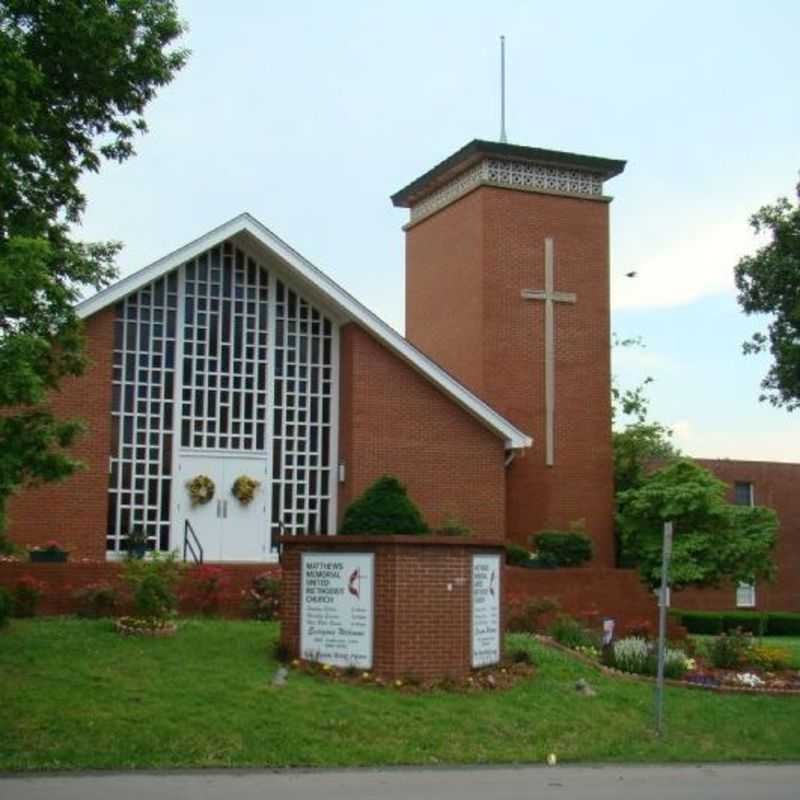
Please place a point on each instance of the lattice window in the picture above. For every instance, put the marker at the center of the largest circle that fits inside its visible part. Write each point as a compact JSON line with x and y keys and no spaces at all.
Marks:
{"x":224,"y":394}
{"x":217,"y":367}
{"x":143,"y":389}
{"x":302,"y":416}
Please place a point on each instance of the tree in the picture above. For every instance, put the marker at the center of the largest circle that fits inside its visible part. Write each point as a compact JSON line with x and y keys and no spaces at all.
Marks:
{"x":769,"y":283}
{"x":637,"y":447}
{"x":384,"y":508}
{"x":75,"y":77}
{"x":640,"y":442}
{"x":713,"y":539}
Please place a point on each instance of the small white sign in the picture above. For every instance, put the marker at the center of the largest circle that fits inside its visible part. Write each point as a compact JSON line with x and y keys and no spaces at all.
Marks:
{"x":336,"y":608}
{"x":485,"y":610}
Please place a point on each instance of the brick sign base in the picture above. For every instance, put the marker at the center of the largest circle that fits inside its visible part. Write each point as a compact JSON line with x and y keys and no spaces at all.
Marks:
{"x":422,"y":599}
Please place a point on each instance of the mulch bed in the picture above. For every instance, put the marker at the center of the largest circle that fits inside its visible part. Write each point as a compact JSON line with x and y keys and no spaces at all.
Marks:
{"x":496,"y":678}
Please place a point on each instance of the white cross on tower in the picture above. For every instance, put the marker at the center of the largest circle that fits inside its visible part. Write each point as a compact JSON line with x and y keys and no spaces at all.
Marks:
{"x":550,"y":296}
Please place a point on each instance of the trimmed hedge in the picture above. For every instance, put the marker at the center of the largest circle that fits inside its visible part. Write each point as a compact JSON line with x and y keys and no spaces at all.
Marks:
{"x":712,"y":623}
{"x":783,"y":623}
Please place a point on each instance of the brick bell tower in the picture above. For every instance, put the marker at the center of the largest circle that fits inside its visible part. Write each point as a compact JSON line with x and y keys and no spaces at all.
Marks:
{"x":507,"y":287}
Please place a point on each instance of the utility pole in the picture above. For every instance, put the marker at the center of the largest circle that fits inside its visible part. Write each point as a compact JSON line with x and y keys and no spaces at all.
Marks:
{"x":663,"y":603}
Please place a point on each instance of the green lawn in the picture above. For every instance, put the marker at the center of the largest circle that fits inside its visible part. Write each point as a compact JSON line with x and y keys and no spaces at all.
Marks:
{"x":77,"y":695}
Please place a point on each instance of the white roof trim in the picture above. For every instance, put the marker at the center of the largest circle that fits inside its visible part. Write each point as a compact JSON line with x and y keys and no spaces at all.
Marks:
{"x":345,"y":303}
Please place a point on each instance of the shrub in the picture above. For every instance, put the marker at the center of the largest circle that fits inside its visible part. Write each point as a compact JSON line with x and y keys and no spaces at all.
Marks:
{"x":630,"y":655}
{"x":541,"y":561}
{"x":204,"y":587}
{"x":153,"y":582}
{"x":96,"y":600}
{"x":773,"y":623}
{"x":566,"y":549}
{"x":263,"y":598}
{"x":515,"y":555}
{"x":568,"y":631}
{"x":527,"y":615}
{"x":675,"y":663}
{"x":6,"y":606}
{"x":782,"y":623}
{"x":730,"y":650}
{"x":702,"y":622}
{"x":637,"y":655}
{"x":384,"y":508}
{"x":749,"y":621}
{"x":769,"y":658}
{"x":27,"y":594}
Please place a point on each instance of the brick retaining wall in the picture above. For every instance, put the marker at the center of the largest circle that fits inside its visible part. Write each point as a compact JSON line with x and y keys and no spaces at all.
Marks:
{"x":62,"y":580}
{"x":587,"y":592}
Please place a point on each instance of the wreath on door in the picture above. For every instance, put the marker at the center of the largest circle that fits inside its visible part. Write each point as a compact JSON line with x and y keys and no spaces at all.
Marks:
{"x":244,"y":489}
{"x":201,"y":489}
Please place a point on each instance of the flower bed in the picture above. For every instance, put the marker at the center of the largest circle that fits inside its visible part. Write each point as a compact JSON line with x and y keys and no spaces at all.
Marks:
{"x":700,"y":675}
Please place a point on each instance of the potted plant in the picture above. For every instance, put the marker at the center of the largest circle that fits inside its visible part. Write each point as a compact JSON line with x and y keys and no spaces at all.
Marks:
{"x":51,"y":552}
{"x":137,"y":543}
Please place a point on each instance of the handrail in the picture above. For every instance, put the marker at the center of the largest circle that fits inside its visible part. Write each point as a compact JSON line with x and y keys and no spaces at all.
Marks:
{"x":197,"y":555}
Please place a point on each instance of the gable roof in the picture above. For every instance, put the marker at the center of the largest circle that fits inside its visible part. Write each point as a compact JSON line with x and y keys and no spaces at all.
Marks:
{"x":348,"y":308}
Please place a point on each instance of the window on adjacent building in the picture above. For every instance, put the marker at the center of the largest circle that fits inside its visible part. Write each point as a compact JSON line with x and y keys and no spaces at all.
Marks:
{"x":746,"y":595}
{"x":743,"y":493}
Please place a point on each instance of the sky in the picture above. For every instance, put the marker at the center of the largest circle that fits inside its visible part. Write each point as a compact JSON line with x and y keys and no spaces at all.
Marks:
{"x":309,"y":115}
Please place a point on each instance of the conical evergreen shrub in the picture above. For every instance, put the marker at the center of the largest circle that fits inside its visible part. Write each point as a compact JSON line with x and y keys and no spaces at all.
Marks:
{"x":384,"y":508}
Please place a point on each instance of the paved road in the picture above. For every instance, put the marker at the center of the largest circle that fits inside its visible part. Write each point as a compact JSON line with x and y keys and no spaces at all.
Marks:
{"x":757,"y":782}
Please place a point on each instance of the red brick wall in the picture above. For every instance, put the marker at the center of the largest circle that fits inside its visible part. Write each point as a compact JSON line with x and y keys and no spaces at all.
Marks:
{"x":394,"y":421}
{"x":492,"y":241}
{"x":421,"y":628}
{"x":74,"y":511}
{"x":776,"y":486}
{"x":61,"y":581}
{"x":587,"y":593}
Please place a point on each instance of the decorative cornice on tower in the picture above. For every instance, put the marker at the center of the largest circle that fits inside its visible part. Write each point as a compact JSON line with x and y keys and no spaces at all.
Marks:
{"x":506,"y":166}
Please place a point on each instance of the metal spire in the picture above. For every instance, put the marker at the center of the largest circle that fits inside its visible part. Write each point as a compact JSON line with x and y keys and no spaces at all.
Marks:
{"x":503,"y":137}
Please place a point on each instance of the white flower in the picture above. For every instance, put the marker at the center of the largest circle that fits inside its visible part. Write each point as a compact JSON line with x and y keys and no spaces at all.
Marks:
{"x":749,"y":679}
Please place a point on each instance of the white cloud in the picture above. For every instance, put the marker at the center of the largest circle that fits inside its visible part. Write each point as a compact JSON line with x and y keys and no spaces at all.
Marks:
{"x":739,"y":444}
{"x":698,"y":264}
{"x":640,"y":359}
{"x":682,"y":433}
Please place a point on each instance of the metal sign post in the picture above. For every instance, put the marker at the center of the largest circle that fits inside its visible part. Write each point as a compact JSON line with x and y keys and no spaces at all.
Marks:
{"x":663,"y":603}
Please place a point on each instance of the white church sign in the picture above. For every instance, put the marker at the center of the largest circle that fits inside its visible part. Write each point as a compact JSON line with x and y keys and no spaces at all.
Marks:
{"x":337,"y":612}
{"x":485,"y":610}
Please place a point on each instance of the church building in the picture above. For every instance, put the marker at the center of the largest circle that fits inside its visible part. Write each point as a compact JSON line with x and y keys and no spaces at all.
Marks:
{"x":234,"y":357}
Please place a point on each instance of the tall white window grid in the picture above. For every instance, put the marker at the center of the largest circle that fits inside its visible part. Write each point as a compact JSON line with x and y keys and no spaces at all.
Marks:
{"x":303,"y":428}
{"x":217,"y":333}
{"x":225,"y":355}
{"x":142,"y":414}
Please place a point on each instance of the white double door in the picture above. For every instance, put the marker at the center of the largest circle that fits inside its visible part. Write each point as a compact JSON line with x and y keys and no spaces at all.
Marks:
{"x":228,"y":530}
